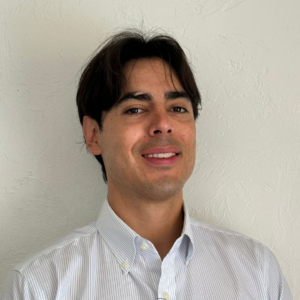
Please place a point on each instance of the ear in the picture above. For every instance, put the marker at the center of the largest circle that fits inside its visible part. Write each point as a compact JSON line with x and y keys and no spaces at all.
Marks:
{"x":91,"y":132}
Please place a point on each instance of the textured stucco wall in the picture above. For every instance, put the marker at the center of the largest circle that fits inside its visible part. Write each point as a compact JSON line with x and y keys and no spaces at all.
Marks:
{"x":246,"y":57}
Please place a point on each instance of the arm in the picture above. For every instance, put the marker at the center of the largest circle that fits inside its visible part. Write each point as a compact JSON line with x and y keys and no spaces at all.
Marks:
{"x":17,"y":288}
{"x":277,"y":285}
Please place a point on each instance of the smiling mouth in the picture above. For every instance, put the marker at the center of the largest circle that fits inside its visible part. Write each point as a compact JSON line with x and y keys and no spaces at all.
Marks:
{"x":160,"y":155}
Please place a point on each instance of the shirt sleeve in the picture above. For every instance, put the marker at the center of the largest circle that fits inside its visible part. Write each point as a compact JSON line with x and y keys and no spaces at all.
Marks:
{"x":17,"y":288}
{"x":278,"y":288}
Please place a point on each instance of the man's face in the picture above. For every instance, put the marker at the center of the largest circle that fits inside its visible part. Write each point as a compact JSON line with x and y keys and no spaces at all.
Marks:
{"x":154,"y":117}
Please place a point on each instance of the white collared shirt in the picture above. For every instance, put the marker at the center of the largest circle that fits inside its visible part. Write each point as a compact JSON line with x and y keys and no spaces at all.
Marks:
{"x":108,"y":260}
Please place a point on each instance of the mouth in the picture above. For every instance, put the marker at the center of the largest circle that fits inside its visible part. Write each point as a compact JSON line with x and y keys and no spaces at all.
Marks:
{"x":162,"y":159}
{"x":160,"y":155}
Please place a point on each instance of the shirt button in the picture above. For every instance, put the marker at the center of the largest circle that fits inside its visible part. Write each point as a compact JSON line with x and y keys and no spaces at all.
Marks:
{"x":144,"y":246}
{"x":126,"y":265}
{"x":166,"y":295}
{"x":187,"y":262}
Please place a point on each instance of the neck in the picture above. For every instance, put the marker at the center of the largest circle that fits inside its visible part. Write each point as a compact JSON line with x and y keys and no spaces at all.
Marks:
{"x":160,"y":222}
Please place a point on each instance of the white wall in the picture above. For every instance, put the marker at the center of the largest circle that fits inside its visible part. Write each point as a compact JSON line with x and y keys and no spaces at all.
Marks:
{"x":246,"y":58}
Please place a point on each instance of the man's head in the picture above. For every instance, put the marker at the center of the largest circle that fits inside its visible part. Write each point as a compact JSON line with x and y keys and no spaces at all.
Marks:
{"x":130,"y":93}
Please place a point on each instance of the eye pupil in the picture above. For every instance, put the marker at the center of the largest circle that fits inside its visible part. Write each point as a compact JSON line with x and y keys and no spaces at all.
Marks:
{"x":133,"y":111}
{"x":179,"y":109}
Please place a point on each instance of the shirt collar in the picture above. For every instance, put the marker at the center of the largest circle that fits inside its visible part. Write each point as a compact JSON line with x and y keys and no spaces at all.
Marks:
{"x":187,"y":230}
{"x":121,"y":238}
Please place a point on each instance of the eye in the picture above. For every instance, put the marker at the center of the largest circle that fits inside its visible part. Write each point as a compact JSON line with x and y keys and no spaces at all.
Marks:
{"x":179,"y":109}
{"x":133,"y":111}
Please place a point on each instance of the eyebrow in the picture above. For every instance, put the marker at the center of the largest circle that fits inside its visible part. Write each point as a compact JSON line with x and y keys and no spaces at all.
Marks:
{"x":171,"y":95}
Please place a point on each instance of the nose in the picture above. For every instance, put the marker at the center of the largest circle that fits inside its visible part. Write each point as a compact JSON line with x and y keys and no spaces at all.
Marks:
{"x":160,"y":123}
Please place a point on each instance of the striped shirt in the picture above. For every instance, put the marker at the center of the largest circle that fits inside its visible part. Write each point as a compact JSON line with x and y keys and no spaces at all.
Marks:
{"x":108,"y":260}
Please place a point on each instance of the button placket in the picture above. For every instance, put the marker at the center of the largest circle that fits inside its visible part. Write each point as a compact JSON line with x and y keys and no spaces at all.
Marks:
{"x":167,"y":283}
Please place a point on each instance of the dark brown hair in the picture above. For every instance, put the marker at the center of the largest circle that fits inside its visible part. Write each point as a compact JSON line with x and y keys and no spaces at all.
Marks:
{"x":103,"y":79}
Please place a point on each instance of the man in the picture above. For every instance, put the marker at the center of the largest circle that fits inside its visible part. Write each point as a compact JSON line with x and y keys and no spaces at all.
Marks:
{"x":138,"y":101}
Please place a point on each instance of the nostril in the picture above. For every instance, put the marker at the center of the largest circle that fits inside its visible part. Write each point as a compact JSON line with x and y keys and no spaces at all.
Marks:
{"x":156,"y":131}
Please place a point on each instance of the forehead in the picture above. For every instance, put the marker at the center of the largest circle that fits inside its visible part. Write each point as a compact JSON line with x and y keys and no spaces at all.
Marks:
{"x":150,"y":71}
{"x":140,"y":64}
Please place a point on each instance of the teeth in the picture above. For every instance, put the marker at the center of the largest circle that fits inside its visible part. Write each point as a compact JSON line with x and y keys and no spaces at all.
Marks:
{"x":160,"y":155}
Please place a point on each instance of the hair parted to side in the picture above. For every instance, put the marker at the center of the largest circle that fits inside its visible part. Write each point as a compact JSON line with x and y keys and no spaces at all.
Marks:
{"x":103,"y":79}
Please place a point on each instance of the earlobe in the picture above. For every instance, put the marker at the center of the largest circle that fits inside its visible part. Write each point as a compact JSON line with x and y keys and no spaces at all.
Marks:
{"x":90,"y":130}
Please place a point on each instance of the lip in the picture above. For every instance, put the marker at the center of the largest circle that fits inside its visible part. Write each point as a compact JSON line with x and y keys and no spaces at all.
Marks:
{"x":157,"y":150}
{"x":162,"y":161}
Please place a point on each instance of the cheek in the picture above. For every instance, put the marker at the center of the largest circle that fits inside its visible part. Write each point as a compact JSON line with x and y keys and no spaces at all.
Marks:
{"x":126,"y":142}
{"x":189,"y":136}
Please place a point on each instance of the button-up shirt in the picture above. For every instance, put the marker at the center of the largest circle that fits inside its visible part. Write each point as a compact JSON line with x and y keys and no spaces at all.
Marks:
{"x":108,"y":260}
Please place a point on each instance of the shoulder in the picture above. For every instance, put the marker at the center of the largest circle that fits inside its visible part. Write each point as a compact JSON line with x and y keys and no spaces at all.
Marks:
{"x":74,"y":243}
{"x":217,"y":231}
{"x":230,"y":243}
{"x":251,"y":262}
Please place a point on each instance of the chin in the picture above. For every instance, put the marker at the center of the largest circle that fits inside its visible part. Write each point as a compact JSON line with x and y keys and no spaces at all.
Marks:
{"x":162,"y":189}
